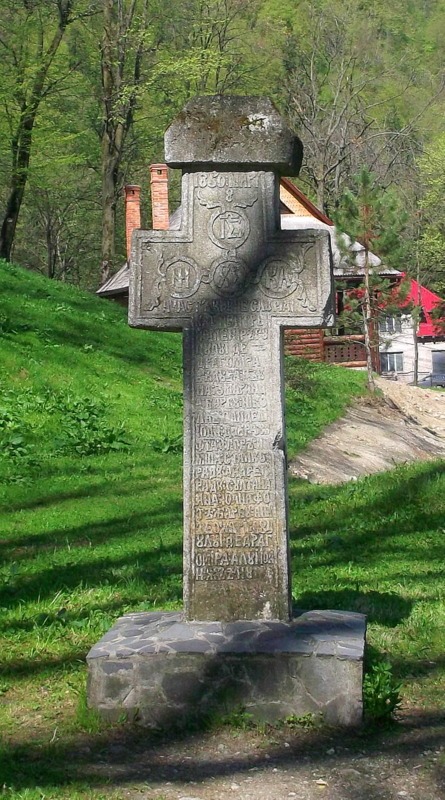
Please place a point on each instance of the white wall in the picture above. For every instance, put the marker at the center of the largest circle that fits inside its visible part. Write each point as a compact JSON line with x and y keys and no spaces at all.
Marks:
{"x":404,"y":343}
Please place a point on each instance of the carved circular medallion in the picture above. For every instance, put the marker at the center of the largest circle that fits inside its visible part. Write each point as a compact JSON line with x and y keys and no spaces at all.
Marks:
{"x":229,"y":229}
{"x":181,"y":277}
{"x":230,"y":277}
{"x":277,"y":278}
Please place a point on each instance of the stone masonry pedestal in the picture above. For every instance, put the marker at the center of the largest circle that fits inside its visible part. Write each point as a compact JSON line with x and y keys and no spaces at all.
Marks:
{"x":161,"y":670}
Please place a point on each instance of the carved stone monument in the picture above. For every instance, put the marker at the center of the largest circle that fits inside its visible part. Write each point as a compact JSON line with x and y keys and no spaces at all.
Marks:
{"x":232,"y":281}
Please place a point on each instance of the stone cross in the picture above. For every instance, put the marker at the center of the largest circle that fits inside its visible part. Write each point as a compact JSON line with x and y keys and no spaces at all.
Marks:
{"x":232,"y":281}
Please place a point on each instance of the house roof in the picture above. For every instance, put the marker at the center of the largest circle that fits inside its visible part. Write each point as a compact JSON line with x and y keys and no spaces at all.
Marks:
{"x":428,"y":301}
{"x":300,"y":205}
{"x":302,"y":214}
{"x":117,"y":284}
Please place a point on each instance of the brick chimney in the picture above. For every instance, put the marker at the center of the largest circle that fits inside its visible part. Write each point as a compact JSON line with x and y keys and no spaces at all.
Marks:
{"x":159,"y":197}
{"x":132,"y":213}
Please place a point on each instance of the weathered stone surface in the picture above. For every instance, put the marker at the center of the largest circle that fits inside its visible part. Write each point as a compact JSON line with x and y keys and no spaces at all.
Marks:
{"x":312,"y":664}
{"x":229,"y":130}
{"x":232,"y":281}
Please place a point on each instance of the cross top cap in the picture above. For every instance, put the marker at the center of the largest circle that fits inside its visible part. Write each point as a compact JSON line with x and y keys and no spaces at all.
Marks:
{"x":236,"y":133}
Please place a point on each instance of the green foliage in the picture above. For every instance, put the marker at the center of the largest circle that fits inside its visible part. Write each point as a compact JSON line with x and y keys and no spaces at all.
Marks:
{"x":168,"y":443}
{"x":351,"y":103}
{"x":65,"y":422}
{"x":381,"y":691}
{"x":11,"y":438}
{"x":429,"y":248}
{"x":304,"y":721}
{"x":370,"y":105}
{"x":88,"y":719}
{"x":238,"y":719}
{"x":316,"y":395}
{"x":86,"y":430}
{"x":17,"y":453}
{"x":373,"y":217}
{"x":438,"y":317}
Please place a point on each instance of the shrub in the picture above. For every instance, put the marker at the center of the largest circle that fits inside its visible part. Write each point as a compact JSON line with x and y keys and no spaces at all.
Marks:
{"x":381,"y":691}
{"x":85,"y":429}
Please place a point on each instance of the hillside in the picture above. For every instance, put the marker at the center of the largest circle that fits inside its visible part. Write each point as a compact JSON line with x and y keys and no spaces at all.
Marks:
{"x":89,"y":408}
{"x":60,"y":346}
{"x":402,"y":424}
{"x":77,"y":381}
{"x":91,"y":527}
{"x":90,"y":433}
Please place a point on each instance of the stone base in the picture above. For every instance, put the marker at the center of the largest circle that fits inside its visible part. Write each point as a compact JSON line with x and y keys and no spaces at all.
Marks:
{"x":160,"y":670}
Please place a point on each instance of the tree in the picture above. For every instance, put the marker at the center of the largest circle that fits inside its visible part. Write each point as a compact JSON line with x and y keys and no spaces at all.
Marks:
{"x":351,"y":100}
{"x":195,"y":48}
{"x":438,"y":316}
{"x":30,"y":37}
{"x":430,"y":210}
{"x":374,"y":219}
{"x":211,"y":49}
{"x":126,"y":37}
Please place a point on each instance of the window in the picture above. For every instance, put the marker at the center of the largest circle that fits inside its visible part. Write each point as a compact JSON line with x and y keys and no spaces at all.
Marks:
{"x":391,"y":362}
{"x":438,"y":361}
{"x":390,"y":325}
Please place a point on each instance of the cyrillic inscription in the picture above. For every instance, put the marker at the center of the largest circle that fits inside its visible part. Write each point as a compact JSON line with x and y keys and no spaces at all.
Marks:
{"x":226,"y":180}
{"x":235,"y":535}
{"x":230,"y":279}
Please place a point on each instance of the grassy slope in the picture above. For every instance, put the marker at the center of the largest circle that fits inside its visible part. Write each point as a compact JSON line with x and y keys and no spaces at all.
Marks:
{"x":84,"y":538}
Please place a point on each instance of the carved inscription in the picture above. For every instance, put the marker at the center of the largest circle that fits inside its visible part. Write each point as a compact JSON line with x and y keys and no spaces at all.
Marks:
{"x":229,"y":229}
{"x":227,"y":195}
{"x":227,"y":180}
{"x":277,"y":279}
{"x":230,"y":276}
{"x":227,"y":253}
{"x":231,"y":280}
{"x":234,"y":528}
{"x":181,"y":277}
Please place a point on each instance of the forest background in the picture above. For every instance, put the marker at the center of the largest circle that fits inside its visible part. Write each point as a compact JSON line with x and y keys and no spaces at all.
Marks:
{"x":87,"y":88}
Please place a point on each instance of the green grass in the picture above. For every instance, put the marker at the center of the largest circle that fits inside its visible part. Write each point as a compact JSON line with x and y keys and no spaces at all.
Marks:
{"x":377,"y":546}
{"x":316,"y":395}
{"x":87,"y":537}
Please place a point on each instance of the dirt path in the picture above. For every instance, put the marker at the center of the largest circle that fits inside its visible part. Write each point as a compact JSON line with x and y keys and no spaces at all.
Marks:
{"x":424,"y":406}
{"x":406,"y":762}
{"x":406,"y":424}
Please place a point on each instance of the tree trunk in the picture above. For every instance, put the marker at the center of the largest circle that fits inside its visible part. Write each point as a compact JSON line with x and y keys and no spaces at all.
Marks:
{"x":21,"y":153}
{"x":51,"y":249}
{"x":22,"y":138}
{"x":109,"y":180}
{"x":367,"y":323}
{"x":416,"y":316}
{"x":416,"y":351}
{"x":10,"y":220}
{"x":121,"y":76}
